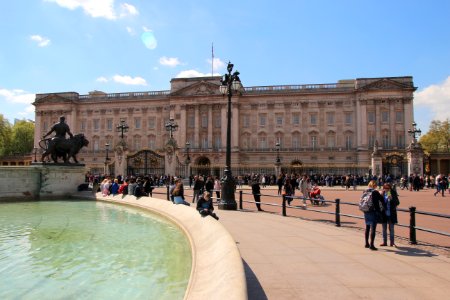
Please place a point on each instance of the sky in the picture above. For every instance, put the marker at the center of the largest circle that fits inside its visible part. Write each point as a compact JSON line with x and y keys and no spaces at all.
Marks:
{"x":113,"y":46}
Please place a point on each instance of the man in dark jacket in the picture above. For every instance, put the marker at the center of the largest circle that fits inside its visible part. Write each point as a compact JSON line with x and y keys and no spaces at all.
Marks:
{"x":256,"y":191}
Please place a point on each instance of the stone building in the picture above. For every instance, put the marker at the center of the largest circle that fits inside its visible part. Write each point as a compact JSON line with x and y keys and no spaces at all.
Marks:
{"x":319,"y":128}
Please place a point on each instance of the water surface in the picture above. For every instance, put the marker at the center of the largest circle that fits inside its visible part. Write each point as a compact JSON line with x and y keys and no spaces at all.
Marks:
{"x":90,"y":250}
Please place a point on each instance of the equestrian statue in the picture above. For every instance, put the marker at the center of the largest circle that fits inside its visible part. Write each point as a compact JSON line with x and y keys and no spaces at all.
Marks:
{"x":59,"y":146}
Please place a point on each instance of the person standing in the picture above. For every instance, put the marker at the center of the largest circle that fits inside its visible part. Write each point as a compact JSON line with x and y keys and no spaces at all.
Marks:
{"x":198,"y":186}
{"x":217,"y":188}
{"x":256,"y":191}
{"x":389,"y":213}
{"x":372,"y":216}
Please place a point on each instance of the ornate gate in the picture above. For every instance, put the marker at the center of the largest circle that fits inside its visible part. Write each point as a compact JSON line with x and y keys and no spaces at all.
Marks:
{"x":145,"y":162}
{"x":181,"y":169}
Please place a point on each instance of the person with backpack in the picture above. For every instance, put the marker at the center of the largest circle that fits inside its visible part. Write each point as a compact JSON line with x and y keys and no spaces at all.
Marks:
{"x":370,"y":205}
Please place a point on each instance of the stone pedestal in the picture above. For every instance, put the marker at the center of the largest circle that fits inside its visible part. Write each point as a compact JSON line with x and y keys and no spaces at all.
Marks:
{"x":415,"y":159}
{"x":377,"y":161}
{"x":40,"y":181}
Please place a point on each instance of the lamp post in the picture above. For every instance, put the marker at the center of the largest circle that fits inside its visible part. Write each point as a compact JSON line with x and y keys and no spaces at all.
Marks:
{"x":277,"y":147}
{"x":122,"y":127}
{"x":414,"y":131}
{"x":35,"y":153}
{"x":171,"y":126}
{"x":106,"y":159}
{"x":230,"y":83}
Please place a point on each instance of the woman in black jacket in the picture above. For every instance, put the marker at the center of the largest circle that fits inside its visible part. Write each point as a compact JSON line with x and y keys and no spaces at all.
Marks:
{"x":389,"y":213}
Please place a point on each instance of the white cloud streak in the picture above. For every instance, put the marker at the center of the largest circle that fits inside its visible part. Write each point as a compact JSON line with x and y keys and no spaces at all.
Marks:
{"x":99,"y":8}
{"x":17,"y":96}
{"x":169,"y":61}
{"x":40,"y":40}
{"x":128,"y":80}
{"x":102,"y":79}
{"x":436,"y":97}
{"x":193,"y":73}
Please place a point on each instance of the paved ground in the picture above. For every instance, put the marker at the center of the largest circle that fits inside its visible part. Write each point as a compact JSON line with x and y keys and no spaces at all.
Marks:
{"x":294,"y":258}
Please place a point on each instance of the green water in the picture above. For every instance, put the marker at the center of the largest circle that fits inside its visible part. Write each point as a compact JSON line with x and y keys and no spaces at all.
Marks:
{"x":90,"y":250}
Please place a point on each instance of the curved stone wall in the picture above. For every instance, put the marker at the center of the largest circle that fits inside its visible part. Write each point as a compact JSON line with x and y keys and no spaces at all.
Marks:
{"x":217,"y":268}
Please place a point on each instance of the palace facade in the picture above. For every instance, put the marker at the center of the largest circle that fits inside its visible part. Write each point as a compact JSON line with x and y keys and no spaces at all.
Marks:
{"x":313,"y":128}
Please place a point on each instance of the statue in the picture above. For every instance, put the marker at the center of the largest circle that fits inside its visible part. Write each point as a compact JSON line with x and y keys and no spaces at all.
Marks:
{"x":59,"y":146}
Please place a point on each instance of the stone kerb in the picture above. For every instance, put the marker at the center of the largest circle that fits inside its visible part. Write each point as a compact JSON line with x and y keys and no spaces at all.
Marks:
{"x":217,"y":269}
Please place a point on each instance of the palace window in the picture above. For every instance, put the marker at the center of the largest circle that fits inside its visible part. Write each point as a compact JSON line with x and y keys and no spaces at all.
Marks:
{"x":371,"y":140}
{"x":330,"y":118}
{"x":137,"y":143}
{"x":204,"y":121}
{"x":205,"y":142}
{"x":399,"y":116}
{"x":217,"y":142}
{"x":331,"y":140}
{"x":152,"y":142}
{"x":246,"y":121}
{"x":109,"y":124}
{"x":82,"y":125}
{"x":314,"y":142}
{"x":262,"y":142}
{"x":191,"y":121}
{"x":217,"y":121}
{"x":313,"y":119}
{"x":151,"y":122}
{"x":348,"y":142}
{"x":295,"y":119}
{"x":371,"y":117}
{"x":348,"y":118}
{"x":262,"y":120}
{"x":385,"y":140}
{"x":96,"y":124}
{"x":384,"y":116}
{"x":279,"y":119}
{"x":296,"y":140}
{"x":400,"y":139}
{"x":137,"y":123}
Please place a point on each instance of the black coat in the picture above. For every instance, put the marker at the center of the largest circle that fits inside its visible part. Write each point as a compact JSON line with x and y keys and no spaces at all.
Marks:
{"x":393,"y":207}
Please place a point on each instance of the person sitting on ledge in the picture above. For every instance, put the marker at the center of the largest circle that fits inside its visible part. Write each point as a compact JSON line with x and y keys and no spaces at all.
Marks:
{"x":178,"y":193}
{"x":205,"y":206}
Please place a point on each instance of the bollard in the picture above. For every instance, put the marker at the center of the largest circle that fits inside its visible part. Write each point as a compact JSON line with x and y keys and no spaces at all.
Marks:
{"x":338,"y":212}
{"x":240,"y":199}
{"x":284,"y":206}
{"x":168,"y":196}
{"x":412,"y":225}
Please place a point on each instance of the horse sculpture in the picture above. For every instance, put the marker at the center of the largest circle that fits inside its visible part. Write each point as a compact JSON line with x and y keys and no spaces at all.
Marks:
{"x":66,"y":148}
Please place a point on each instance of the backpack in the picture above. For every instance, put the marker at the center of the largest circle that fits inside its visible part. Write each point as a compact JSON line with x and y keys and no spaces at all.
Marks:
{"x":366,"y":203}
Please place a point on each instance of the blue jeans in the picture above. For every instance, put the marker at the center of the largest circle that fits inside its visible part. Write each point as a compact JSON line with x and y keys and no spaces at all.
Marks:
{"x":391,"y":232}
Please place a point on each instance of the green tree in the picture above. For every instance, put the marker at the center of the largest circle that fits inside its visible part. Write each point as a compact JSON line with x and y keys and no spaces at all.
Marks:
{"x":437,"y":139}
{"x":22,"y":137}
{"x":5,"y":136}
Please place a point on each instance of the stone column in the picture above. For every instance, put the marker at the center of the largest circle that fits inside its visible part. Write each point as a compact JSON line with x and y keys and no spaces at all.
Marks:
{"x":223,"y":121}
{"x":196,"y":141}
{"x":210,"y":126}
{"x":234,"y":126}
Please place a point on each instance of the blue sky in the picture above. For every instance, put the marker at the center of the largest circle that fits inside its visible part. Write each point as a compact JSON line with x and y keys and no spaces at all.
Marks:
{"x":123,"y":46}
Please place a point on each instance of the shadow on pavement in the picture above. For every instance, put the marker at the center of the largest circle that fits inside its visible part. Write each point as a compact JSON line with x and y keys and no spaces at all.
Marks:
{"x":254,"y":289}
{"x":410,"y":251}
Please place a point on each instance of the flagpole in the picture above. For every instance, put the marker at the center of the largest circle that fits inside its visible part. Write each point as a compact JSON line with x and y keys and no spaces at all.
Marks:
{"x":212,"y":59}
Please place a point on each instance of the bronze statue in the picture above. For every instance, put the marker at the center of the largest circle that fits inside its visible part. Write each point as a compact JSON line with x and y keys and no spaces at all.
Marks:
{"x":59,"y":146}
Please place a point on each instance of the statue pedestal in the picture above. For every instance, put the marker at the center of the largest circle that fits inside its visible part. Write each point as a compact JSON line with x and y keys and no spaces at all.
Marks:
{"x":58,"y":181}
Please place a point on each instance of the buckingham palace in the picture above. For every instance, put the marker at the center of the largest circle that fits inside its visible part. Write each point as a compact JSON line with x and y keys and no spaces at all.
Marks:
{"x":305,"y":128}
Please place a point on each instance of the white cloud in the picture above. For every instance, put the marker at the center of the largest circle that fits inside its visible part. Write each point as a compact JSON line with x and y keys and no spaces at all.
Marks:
{"x":28,"y":111}
{"x":129,"y":80}
{"x":17,"y":96}
{"x":191,"y":73}
{"x":130,"y":30}
{"x":102,"y":79}
{"x":41,"y":41}
{"x":218,"y":64}
{"x":169,"y":61}
{"x":436,"y":97}
{"x":98,"y":8}
{"x":128,"y":10}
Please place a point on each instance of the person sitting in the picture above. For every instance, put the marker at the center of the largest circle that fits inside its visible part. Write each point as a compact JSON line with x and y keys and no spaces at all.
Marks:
{"x":205,"y":206}
{"x":115,"y":187}
{"x":178,"y":193}
{"x":123,"y":189}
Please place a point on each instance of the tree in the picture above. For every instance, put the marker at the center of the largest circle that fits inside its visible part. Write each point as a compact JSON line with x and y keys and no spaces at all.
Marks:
{"x":22,"y":137}
{"x":437,"y":139}
{"x":5,"y":136}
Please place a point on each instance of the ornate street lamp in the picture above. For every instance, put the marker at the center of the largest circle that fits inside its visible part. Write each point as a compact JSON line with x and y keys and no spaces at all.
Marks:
{"x":122,"y":127}
{"x":188,"y":159}
{"x":230,"y":83}
{"x":171,"y":126}
{"x":277,"y":147}
{"x":414,"y":131}
{"x":106,"y":159}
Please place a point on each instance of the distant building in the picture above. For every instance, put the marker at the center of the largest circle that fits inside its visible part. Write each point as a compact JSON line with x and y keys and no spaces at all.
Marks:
{"x":321,"y":128}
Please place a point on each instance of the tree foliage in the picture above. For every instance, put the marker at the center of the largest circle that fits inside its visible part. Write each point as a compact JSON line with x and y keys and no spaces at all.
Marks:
{"x":5,"y":136}
{"x":437,"y":139}
{"x":16,"y":139}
